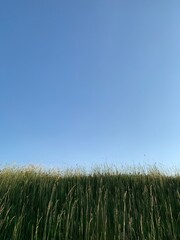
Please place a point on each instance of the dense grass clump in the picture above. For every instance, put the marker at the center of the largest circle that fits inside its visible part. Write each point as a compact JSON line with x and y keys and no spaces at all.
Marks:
{"x":98,"y":206}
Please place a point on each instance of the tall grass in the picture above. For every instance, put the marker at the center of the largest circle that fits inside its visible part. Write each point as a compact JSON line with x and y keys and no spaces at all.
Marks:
{"x":37,"y":205}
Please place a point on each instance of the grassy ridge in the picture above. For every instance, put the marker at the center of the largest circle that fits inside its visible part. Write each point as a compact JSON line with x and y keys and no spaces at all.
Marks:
{"x":49,"y":206}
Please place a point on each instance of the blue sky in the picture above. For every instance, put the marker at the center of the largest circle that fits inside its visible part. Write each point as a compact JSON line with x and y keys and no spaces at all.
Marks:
{"x":89,"y":82}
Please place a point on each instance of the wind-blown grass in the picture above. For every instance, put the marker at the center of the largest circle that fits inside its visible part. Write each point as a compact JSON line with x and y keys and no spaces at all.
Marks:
{"x":39,"y":205}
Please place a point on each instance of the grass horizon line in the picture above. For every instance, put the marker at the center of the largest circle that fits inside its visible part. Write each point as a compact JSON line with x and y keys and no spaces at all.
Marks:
{"x":151,"y":169}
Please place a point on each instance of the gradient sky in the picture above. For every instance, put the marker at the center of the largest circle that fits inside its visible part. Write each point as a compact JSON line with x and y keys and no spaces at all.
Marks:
{"x":89,"y":82}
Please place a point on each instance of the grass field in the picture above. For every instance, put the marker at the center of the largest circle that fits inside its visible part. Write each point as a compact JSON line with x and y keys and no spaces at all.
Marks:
{"x":109,"y":205}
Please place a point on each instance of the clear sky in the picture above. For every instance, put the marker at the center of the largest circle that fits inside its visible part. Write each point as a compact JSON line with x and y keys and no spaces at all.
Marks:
{"x":89,"y":82}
